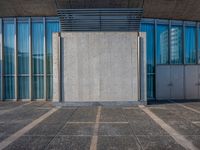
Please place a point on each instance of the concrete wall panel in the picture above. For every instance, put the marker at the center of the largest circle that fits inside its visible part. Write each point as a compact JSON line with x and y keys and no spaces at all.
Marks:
{"x":99,"y":66}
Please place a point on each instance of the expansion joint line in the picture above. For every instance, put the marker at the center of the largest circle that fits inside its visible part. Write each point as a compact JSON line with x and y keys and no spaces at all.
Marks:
{"x":93,"y":145}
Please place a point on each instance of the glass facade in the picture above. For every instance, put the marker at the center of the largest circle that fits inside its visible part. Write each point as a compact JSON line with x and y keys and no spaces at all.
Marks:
{"x":169,"y":42}
{"x":26,"y":63}
{"x":26,"y":53}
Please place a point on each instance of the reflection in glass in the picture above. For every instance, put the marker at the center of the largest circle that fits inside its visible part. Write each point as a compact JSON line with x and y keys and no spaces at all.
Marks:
{"x":190,"y":45}
{"x":162,"y":44}
{"x":23,"y":59}
{"x":9,"y":87}
{"x":38,"y":59}
{"x":23,"y":47}
{"x":38,"y":87}
{"x":23,"y":87}
{"x":149,"y":29}
{"x":38,"y":47}
{"x":51,"y":26}
{"x":9,"y":61}
{"x":176,"y":45}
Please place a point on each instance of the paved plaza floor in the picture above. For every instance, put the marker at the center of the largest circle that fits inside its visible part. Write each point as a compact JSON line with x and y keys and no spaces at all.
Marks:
{"x":170,"y":125}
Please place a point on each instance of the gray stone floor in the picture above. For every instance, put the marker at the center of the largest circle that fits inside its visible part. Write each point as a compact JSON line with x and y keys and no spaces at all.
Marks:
{"x":119,"y":128}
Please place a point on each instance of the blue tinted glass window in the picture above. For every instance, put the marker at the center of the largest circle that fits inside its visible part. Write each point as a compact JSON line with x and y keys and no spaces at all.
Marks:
{"x":176,"y":45}
{"x":23,"y":59}
{"x":23,"y":47}
{"x":23,"y":87}
{"x":38,"y":59}
{"x":38,"y":87}
{"x":190,"y":45}
{"x":162,"y":44}
{"x":38,"y":47}
{"x":9,"y":52}
{"x":51,"y":27}
{"x":9,"y":59}
{"x":149,"y":29}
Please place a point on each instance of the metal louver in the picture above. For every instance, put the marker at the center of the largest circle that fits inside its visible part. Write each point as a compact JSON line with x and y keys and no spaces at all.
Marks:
{"x":112,"y":19}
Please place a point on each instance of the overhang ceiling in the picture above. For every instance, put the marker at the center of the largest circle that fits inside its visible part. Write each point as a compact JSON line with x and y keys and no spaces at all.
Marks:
{"x":168,"y":9}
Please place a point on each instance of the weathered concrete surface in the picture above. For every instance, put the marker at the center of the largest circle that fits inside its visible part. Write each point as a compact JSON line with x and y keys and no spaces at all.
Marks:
{"x":98,"y":66}
{"x":169,"y":9}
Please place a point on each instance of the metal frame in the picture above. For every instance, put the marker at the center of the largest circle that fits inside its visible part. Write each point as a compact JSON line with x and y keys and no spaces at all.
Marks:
{"x":16,"y":60}
{"x":1,"y":57}
{"x":30,"y":59}
{"x":45,"y":61}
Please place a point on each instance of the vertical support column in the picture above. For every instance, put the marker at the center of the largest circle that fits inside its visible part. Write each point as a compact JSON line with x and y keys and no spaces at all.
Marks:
{"x":155,"y":55}
{"x":1,"y":57}
{"x":30,"y":60}
{"x":16,"y":62}
{"x":197,"y":43}
{"x":169,"y":42}
{"x":143,"y":70}
{"x":45,"y":61}
{"x":139,"y":65}
{"x":183,"y":44}
{"x":56,"y":68}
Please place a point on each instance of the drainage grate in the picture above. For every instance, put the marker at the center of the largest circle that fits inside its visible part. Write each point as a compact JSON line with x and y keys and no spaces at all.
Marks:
{"x":113,"y":19}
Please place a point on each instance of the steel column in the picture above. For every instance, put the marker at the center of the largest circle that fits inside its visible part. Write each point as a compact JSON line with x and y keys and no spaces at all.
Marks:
{"x":1,"y":57}
{"x":16,"y":62}
{"x":30,"y":61}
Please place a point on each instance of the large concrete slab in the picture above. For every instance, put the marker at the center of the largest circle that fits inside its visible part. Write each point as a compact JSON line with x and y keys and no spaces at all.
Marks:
{"x":97,"y":66}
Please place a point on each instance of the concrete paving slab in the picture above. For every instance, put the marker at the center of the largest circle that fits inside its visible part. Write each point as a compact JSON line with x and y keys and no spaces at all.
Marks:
{"x":112,"y":115}
{"x":193,"y":105}
{"x":70,"y":143}
{"x":9,"y":105}
{"x":159,"y":143}
{"x":84,"y":114}
{"x":183,"y":112}
{"x":78,"y":129}
{"x":15,"y":120}
{"x":45,"y":130}
{"x":178,"y":122}
{"x":30,"y":143}
{"x":195,"y":140}
{"x":115,"y":130}
{"x":53,"y":124}
{"x":141,"y":124}
{"x":117,"y":143}
{"x":60,"y":116}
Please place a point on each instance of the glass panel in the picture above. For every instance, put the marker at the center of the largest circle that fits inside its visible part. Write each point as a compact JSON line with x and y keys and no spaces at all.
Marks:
{"x":0,"y":88}
{"x":9,"y":87}
{"x":38,"y":87}
{"x":190,"y":45}
{"x":9,"y":33}
{"x":149,"y":29}
{"x":50,"y":87}
{"x":162,"y":44}
{"x":176,"y":45}
{"x":23,"y":87}
{"x":199,"y":46}
{"x":151,"y":85}
{"x":50,"y":28}
{"x":38,"y":47}
{"x":23,"y":47}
